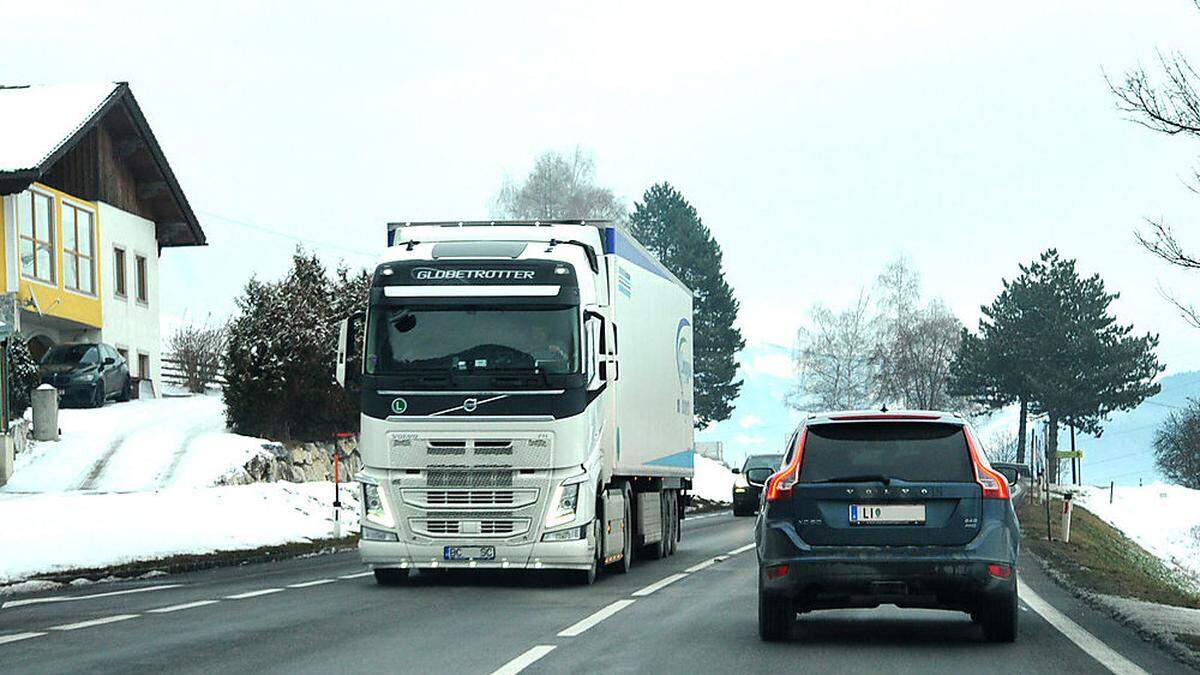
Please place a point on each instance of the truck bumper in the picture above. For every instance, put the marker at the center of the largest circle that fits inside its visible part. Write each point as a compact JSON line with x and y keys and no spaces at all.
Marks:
{"x":565,"y":555}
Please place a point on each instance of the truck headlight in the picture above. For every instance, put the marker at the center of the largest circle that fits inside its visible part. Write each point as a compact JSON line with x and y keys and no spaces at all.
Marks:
{"x":564,"y":502}
{"x":374,"y":507}
{"x":569,"y":534}
{"x":372,"y":534}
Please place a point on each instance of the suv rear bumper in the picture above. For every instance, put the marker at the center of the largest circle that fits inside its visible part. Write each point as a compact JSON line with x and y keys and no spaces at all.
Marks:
{"x":937,"y":577}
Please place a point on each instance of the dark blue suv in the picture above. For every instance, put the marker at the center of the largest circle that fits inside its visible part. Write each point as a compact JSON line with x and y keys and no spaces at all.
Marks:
{"x":894,"y":508}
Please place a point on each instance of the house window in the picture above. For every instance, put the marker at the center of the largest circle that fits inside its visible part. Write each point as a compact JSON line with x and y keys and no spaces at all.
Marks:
{"x":139,"y":272}
{"x":79,"y":261}
{"x":144,"y":366}
{"x":35,"y":222}
{"x":120,"y":285}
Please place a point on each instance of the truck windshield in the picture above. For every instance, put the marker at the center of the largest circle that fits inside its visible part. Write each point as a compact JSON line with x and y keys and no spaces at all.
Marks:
{"x":472,"y":339}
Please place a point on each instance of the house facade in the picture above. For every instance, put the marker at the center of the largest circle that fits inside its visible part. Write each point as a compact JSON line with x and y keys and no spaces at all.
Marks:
{"x":87,"y":205}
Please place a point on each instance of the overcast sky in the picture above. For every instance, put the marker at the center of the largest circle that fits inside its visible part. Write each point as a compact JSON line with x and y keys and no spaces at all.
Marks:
{"x":817,"y":140}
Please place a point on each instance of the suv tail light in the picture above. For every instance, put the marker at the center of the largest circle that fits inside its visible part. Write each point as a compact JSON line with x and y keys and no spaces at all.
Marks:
{"x":994,"y":485}
{"x":779,"y":486}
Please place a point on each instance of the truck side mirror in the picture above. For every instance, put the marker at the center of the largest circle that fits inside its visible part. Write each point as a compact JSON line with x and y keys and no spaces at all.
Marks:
{"x":349,"y":358}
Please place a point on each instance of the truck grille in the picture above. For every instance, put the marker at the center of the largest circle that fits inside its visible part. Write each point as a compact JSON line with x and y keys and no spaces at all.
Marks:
{"x":469,"y":479}
{"x":444,"y":527}
{"x":438,"y":499}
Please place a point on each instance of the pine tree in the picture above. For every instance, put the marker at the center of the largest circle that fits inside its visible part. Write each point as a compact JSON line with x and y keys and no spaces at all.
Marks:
{"x":666,"y":224}
{"x":22,"y":376}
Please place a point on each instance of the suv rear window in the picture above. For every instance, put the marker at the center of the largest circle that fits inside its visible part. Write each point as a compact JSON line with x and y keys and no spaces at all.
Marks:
{"x":911,"y":451}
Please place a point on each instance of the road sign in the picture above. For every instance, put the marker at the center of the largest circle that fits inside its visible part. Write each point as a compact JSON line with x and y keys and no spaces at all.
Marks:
{"x":8,"y":315}
{"x":1070,"y":454}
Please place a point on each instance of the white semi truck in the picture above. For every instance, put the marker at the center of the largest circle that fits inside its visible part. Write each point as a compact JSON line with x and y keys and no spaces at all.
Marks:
{"x":526,"y":399}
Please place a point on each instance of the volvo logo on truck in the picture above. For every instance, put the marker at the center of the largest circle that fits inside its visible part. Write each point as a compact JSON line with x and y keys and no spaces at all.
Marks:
{"x":436,"y":274}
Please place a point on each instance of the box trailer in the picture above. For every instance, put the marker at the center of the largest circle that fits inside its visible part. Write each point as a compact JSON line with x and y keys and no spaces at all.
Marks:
{"x":526,"y":399}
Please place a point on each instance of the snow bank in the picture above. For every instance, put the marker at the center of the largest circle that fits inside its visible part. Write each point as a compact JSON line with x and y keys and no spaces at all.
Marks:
{"x":1163,"y":519}
{"x":134,"y":446}
{"x":60,"y":531}
{"x":713,"y":480}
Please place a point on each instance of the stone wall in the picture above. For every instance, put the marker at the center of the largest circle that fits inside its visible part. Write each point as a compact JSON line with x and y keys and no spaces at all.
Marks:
{"x":300,"y":463}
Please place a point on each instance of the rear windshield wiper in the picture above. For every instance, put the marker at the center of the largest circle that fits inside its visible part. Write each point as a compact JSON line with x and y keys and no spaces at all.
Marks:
{"x":860,"y":478}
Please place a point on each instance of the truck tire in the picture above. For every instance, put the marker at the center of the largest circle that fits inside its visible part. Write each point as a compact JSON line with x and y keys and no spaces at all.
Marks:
{"x":390,"y":576}
{"x":776,"y":616}
{"x":588,"y":577}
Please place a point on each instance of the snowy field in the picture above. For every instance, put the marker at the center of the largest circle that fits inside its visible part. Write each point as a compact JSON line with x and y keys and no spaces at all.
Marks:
{"x":135,"y":481}
{"x":1163,"y":519}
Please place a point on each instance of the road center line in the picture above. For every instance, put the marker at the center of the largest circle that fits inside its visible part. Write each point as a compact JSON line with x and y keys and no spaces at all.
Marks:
{"x":595,"y":618}
{"x":356,"y":576}
{"x":254,"y":594}
{"x":95,"y":622}
{"x":315,"y":582}
{"x":71,"y":598}
{"x":741,"y":549}
{"x":186,"y":605}
{"x":524,"y":660}
{"x":1107,"y":656}
{"x":661,"y":583}
{"x":15,"y":637}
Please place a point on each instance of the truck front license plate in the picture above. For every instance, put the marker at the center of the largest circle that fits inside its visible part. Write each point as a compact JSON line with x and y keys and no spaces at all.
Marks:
{"x":469,"y":553}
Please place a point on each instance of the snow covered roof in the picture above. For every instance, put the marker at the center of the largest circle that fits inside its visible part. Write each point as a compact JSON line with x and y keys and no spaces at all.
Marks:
{"x":38,"y":121}
{"x":41,"y":124}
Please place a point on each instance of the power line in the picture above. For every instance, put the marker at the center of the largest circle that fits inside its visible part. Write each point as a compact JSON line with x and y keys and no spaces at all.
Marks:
{"x":285,"y":235}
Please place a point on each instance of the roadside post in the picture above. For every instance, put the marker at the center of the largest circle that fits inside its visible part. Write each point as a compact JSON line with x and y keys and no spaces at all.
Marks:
{"x":8,"y":326}
{"x":337,"y":493}
{"x":1066,"y":518}
{"x":1111,"y":487}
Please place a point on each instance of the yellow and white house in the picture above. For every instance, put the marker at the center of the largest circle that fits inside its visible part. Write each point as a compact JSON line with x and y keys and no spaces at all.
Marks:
{"x":87,"y":204}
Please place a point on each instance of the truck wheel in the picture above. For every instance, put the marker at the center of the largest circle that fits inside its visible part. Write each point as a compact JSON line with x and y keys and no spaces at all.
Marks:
{"x":588,"y":577}
{"x":776,"y":616}
{"x":390,"y":576}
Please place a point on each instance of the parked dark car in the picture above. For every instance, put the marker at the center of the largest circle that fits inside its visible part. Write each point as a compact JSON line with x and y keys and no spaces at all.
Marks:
{"x":86,"y":374}
{"x":747,"y":489}
{"x":891,"y":508}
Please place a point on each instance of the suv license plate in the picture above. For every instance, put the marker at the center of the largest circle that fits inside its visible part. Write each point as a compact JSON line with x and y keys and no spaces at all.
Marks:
{"x":469,"y":553}
{"x":887,"y":514}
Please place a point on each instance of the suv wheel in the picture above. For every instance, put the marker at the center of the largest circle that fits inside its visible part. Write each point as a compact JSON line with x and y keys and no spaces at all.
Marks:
{"x":999,"y":618}
{"x":776,"y":616}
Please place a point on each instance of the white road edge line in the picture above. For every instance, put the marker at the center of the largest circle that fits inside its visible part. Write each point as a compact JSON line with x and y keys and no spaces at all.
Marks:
{"x":254,"y":594}
{"x":661,"y":583}
{"x":595,"y":618}
{"x":524,"y":660}
{"x":1090,"y":644}
{"x":186,"y":605}
{"x":95,"y":622}
{"x":696,"y":568}
{"x":70,"y":598}
{"x":357,"y":576}
{"x":5,"y":639}
{"x":315,"y":582}
{"x":741,"y":549}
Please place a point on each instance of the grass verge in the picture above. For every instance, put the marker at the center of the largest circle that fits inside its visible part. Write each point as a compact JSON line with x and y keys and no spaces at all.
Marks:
{"x":1100,"y":559}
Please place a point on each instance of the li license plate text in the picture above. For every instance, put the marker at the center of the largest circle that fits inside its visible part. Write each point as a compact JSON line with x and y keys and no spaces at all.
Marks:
{"x":887,"y":514}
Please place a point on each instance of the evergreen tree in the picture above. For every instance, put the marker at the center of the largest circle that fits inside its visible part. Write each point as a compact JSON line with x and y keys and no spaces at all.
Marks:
{"x":666,"y":224}
{"x":23,"y":376}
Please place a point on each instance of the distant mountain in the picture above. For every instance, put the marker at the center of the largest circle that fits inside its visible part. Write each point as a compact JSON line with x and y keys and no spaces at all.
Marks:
{"x":1124,"y":453}
{"x":760,"y":423}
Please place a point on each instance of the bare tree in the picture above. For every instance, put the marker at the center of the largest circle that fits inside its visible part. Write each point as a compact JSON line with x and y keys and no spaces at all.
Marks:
{"x":833,"y":359}
{"x":1168,"y":104}
{"x":559,"y":186}
{"x":914,"y":345}
{"x":1001,"y":446}
{"x":198,"y":348}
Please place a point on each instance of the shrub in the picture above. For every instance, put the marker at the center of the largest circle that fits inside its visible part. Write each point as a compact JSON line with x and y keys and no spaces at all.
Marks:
{"x":1177,"y":446}
{"x":197,"y":348}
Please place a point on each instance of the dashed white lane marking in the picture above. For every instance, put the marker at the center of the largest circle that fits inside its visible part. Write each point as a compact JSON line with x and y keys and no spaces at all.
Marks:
{"x":1107,"y":656}
{"x":95,"y":622}
{"x":707,"y":563}
{"x":17,"y":637}
{"x":315,"y":582}
{"x":186,"y":605}
{"x":707,"y":515}
{"x":71,"y":598}
{"x":595,"y":618}
{"x":661,"y":583}
{"x":524,"y":660}
{"x":254,"y":594}
{"x":356,"y":576}
{"x":741,"y":549}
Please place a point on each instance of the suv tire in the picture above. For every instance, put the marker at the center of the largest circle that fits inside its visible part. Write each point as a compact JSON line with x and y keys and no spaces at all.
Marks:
{"x":776,"y":616}
{"x":999,"y":619}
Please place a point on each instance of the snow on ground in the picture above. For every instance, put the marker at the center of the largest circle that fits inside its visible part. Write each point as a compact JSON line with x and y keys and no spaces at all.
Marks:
{"x":1163,"y":519}
{"x":139,"y":445}
{"x":60,"y":531}
{"x":713,"y":480}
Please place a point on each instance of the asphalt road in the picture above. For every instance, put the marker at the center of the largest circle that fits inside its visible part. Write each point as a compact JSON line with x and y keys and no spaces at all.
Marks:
{"x":694,"y":612}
